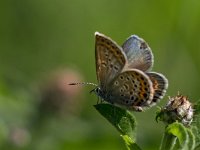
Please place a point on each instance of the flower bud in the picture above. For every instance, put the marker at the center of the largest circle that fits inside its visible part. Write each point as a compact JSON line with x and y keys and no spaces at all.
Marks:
{"x":177,"y":109}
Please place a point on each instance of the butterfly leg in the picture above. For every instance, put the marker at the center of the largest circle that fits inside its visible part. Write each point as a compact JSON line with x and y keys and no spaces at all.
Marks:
{"x":98,"y":101}
{"x":136,"y":108}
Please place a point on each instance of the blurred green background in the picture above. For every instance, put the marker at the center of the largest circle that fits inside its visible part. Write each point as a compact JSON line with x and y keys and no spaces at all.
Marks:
{"x":44,"y":44}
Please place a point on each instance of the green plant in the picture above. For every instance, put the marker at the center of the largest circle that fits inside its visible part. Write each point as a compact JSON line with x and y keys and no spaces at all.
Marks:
{"x":181,"y":131}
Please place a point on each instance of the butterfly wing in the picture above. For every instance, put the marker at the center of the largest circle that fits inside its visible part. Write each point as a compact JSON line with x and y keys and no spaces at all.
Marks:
{"x":131,"y":88}
{"x":110,"y":59}
{"x":160,"y":85}
{"x":138,"y":53}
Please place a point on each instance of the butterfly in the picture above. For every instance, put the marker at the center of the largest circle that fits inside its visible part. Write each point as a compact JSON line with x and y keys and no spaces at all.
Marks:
{"x":124,"y":73}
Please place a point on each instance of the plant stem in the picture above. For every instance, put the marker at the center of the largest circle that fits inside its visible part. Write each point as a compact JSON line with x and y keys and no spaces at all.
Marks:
{"x":168,"y":141}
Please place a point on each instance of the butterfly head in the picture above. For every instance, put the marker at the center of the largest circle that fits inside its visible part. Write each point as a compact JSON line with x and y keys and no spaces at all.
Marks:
{"x":103,"y":94}
{"x":98,"y":92}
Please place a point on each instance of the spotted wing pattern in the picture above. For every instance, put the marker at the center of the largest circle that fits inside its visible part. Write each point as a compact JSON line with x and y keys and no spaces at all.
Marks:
{"x":123,"y":73}
{"x":138,"y":53}
{"x":131,"y":88}
{"x":160,"y":85}
{"x":110,"y":59}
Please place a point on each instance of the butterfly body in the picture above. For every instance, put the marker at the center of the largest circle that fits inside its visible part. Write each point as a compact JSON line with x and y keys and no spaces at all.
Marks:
{"x":124,"y":73}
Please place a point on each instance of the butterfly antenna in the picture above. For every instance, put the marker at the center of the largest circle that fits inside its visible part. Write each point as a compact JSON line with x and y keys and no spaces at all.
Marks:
{"x":83,"y":83}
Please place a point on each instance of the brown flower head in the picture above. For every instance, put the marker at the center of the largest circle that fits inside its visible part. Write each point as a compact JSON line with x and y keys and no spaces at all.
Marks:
{"x":177,"y":109}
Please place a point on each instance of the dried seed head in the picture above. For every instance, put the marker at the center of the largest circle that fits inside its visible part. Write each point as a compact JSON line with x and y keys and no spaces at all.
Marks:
{"x":177,"y":109}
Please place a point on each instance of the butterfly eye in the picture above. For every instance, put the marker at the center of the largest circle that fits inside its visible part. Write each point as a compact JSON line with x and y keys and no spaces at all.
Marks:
{"x":97,"y":90}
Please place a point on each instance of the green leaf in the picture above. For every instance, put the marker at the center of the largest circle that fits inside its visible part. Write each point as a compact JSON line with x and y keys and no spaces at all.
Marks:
{"x":168,"y":141}
{"x":121,"y":119}
{"x":196,"y":124}
{"x":179,"y":131}
{"x":130,"y":143}
{"x":176,"y":137}
{"x":191,"y":137}
{"x":195,"y":130}
{"x":197,"y":114}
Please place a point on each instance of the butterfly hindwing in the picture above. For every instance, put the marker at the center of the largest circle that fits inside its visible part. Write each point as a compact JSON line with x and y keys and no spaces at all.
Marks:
{"x":160,"y":85}
{"x":131,"y":88}
{"x":138,"y":53}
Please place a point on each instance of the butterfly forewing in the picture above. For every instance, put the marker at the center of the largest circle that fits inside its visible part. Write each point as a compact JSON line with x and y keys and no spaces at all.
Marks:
{"x":110,"y":59}
{"x":131,"y":88}
{"x":138,"y":53}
